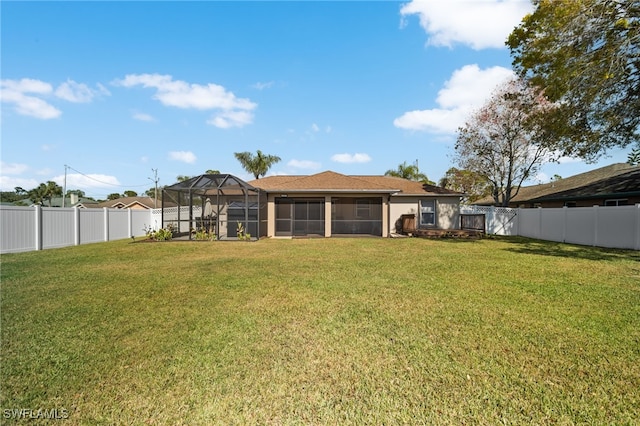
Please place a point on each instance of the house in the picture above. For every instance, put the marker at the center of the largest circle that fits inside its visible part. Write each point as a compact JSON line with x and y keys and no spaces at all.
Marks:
{"x":614,"y":185}
{"x":71,"y":200}
{"x":332,"y":204}
{"x":128,"y":203}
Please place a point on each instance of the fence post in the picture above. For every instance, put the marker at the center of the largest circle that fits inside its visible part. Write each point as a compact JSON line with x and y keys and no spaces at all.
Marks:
{"x":491,"y":220}
{"x":38,"y":226}
{"x":130,"y":222}
{"x":595,"y":225}
{"x":106,"y":223}
{"x":564,"y":223}
{"x":539,"y":222}
{"x":638,"y":226}
{"x":76,"y":225}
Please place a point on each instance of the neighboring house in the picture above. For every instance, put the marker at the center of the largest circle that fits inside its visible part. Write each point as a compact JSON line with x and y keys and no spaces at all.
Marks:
{"x":330,"y":204}
{"x":70,"y":201}
{"x":613,"y":185}
{"x":129,"y":203}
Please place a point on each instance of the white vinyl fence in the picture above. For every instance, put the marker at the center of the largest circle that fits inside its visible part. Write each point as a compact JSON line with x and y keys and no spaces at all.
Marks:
{"x":37,"y":228}
{"x":612,"y":227}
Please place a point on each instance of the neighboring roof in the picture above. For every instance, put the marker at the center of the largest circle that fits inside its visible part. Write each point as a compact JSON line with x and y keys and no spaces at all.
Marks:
{"x":332,"y":182}
{"x":126,"y":202}
{"x":583,"y":183}
{"x":623,"y":185}
{"x":57,"y":202}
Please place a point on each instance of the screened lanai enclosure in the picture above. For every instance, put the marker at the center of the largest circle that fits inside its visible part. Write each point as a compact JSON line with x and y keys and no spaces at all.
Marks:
{"x":219,"y":204}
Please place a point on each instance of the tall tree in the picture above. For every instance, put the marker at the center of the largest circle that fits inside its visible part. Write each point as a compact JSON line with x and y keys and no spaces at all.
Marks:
{"x":499,"y":142}
{"x":212,"y":172}
{"x":259,"y":164}
{"x":129,"y":193}
{"x":584,"y":55}
{"x":52,"y":190}
{"x":45,"y":192}
{"x":182,"y":178}
{"x":473,"y":184}
{"x":410,"y":172}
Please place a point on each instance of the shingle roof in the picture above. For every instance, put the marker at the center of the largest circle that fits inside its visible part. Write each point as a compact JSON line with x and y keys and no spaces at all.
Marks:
{"x":147,"y":202}
{"x":582,"y":180}
{"x":625,"y":184}
{"x":329,"y":181}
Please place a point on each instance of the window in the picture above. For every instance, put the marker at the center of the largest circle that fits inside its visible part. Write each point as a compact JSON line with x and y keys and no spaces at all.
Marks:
{"x":620,"y":202}
{"x":427,"y":212}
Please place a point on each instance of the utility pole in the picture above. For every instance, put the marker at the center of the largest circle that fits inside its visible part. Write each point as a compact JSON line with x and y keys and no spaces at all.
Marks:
{"x":155,"y":181}
{"x":64,"y":189}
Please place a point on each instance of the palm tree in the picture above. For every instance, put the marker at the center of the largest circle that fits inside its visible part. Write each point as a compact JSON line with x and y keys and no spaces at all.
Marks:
{"x":410,"y":172}
{"x":38,"y":194}
{"x":52,"y":190}
{"x":258,"y":164}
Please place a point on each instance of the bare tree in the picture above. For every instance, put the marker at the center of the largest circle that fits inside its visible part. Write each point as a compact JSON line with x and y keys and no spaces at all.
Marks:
{"x":502,"y":142}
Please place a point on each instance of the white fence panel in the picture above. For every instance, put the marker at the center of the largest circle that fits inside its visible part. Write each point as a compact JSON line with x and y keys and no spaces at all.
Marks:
{"x":17,"y":225}
{"x":58,"y":227}
{"x":579,"y":226}
{"x":118,"y":224}
{"x":140,"y":219}
{"x":91,"y":226}
{"x":529,"y":223}
{"x":617,"y":226}
{"x":552,"y":224}
{"x":171,"y":217}
{"x":498,"y":220}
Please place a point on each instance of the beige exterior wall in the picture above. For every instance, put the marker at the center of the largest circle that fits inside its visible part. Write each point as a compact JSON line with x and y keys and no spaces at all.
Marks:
{"x":447,"y":211}
{"x":399,"y":206}
{"x":327,"y":215}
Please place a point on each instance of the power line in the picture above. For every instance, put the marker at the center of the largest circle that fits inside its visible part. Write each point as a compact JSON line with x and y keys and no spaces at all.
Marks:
{"x":102,"y":182}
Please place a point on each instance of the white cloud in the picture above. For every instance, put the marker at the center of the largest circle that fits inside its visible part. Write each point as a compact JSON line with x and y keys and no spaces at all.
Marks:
{"x":467,"y":89}
{"x":47,"y":147}
{"x":18,"y":93}
{"x":569,"y":160}
{"x":315,"y":128}
{"x":351,"y":158}
{"x":228,"y":119}
{"x":140,"y":116}
{"x":27,"y":96}
{"x":236,"y":112}
{"x":12,"y":168}
{"x":75,"y":92}
{"x":478,"y":24}
{"x":304,"y":164}
{"x":184,"y":156}
{"x":9,"y":183}
{"x":262,"y":86}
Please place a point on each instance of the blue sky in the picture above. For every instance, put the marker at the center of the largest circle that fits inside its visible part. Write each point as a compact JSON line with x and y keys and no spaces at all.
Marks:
{"x":116,"y":89}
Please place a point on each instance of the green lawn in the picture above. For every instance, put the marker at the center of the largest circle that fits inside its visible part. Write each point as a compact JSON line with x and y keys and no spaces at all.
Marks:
{"x":323,"y":331}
